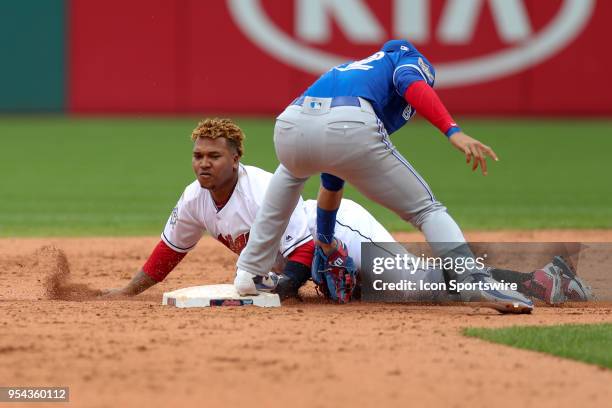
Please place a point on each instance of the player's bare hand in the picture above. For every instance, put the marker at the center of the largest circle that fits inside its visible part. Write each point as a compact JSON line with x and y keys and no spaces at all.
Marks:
{"x":475,"y":151}
{"x":114,"y":293}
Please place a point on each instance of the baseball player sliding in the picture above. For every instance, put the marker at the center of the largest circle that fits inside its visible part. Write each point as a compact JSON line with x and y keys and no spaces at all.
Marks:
{"x":225,"y":199}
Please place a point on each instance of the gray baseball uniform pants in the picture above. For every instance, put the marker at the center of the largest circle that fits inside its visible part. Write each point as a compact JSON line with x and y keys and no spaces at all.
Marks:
{"x":349,"y":142}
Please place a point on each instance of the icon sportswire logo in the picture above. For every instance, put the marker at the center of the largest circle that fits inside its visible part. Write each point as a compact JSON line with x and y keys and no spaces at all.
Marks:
{"x":361,"y":26}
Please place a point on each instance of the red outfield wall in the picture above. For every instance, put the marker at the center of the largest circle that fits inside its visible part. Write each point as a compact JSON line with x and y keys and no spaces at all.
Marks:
{"x":536,"y":57}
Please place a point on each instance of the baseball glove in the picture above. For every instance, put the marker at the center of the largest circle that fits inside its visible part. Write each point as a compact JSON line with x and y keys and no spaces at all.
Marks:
{"x":335,"y":276}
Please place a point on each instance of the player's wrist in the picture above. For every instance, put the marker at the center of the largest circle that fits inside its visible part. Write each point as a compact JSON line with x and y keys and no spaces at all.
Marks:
{"x":452,"y":130}
{"x":128,"y":290}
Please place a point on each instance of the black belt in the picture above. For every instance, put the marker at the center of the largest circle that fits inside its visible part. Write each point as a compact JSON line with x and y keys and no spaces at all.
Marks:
{"x":335,"y":101}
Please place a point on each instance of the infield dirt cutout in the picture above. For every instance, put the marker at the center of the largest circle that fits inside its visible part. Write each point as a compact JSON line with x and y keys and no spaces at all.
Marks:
{"x":54,"y":331}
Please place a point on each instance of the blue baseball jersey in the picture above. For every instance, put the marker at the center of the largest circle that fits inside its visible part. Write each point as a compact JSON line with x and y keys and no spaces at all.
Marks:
{"x":381,"y":78}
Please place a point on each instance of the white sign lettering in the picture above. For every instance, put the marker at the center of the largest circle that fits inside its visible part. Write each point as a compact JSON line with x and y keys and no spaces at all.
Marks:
{"x":456,"y":26}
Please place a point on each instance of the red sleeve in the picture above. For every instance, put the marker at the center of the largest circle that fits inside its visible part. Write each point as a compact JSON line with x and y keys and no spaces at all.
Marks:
{"x":162,"y":261}
{"x":303,"y":254}
{"x":426,"y":102}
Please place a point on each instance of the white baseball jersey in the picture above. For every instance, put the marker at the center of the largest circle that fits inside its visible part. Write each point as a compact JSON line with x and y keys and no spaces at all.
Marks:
{"x":354,"y":225}
{"x":196,"y":213}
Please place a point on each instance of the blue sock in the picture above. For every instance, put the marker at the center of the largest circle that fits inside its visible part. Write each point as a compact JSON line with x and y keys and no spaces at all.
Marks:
{"x":326,"y":223}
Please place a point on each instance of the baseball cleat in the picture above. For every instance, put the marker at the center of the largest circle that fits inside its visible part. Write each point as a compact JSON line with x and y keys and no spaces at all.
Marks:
{"x":574,"y":289}
{"x":545,"y":285}
{"x":266,"y":283}
{"x":504,"y":301}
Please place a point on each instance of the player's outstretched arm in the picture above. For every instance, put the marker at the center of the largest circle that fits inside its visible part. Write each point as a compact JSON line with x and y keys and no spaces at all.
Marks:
{"x":161,"y":262}
{"x":139,"y":283}
{"x":426,"y":102}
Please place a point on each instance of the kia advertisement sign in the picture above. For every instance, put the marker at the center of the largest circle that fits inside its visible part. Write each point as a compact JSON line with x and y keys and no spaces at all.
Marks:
{"x":518,"y":57}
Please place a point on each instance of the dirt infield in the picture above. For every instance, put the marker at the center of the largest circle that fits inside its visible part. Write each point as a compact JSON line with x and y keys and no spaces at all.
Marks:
{"x":54,"y":332}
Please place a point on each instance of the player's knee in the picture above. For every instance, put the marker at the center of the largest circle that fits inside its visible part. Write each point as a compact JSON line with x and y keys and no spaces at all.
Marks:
{"x":331,"y":182}
{"x":418,"y":217}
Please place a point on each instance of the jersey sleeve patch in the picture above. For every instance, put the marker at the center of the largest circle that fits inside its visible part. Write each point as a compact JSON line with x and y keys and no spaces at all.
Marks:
{"x":183,"y":230}
{"x":411,"y":70}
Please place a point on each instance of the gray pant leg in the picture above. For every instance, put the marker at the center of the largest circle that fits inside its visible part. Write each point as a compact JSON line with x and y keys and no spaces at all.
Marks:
{"x":271,"y":221}
{"x":366,"y":158}
{"x":350,"y":143}
{"x":293,"y":147}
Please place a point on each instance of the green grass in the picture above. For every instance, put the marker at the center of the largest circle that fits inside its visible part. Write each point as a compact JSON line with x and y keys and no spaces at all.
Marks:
{"x":589,"y":343}
{"x":122,"y":176}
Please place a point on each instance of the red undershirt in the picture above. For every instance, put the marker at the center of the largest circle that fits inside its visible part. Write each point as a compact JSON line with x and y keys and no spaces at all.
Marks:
{"x":426,"y":102}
